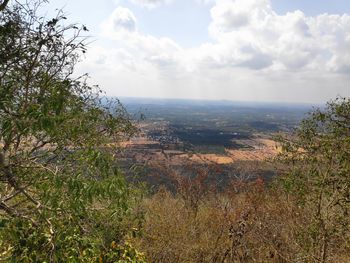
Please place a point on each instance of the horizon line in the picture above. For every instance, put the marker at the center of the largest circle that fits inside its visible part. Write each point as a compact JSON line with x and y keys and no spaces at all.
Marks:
{"x":221,"y":100}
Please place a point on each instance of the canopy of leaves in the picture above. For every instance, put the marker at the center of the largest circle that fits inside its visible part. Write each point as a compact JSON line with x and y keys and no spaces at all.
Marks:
{"x":319,"y":174}
{"x":62,"y":197}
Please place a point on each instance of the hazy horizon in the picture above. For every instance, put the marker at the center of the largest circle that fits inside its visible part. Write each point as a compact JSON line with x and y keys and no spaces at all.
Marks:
{"x":213,"y":101}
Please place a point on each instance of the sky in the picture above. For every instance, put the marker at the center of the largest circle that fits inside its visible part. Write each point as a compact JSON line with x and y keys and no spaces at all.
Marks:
{"x":245,"y":50}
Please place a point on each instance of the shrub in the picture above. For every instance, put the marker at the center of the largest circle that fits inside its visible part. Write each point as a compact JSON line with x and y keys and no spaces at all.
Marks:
{"x":62,"y":196}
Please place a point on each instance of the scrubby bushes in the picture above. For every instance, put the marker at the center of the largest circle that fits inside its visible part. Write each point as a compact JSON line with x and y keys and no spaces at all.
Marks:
{"x":256,"y":224}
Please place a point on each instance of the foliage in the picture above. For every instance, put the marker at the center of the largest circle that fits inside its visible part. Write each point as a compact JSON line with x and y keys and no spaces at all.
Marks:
{"x":318,"y":157}
{"x":62,"y":196}
{"x":124,"y":253}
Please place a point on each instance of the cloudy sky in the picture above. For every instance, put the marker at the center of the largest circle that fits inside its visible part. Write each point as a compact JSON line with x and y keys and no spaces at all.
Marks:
{"x":253,"y":50}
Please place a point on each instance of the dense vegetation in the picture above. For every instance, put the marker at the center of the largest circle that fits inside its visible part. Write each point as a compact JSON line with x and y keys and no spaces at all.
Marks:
{"x":63,"y":197}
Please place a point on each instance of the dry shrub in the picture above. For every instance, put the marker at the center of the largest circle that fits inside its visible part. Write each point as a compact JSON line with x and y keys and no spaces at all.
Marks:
{"x":175,"y":232}
{"x":245,"y":223}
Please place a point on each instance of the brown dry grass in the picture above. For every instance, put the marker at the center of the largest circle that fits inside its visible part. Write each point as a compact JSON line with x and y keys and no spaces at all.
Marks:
{"x":246,"y":223}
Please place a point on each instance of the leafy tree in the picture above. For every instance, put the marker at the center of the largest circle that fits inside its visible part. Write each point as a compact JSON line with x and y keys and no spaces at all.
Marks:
{"x":62,"y":196}
{"x":319,"y":175}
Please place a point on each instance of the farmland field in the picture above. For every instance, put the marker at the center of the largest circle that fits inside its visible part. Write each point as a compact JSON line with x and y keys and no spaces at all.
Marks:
{"x":179,"y":133}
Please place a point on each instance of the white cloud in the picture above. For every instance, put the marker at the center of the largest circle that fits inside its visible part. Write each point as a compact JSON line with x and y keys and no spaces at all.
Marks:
{"x":151,"y":3}
{"x":205,"y":2}
{"x":156,"y":3}
{"x":145,"y":48}
{"x":293,"y":40}
{"x":122,"y":19}
{"x":230,"y":15}
{"x":251,"y":46}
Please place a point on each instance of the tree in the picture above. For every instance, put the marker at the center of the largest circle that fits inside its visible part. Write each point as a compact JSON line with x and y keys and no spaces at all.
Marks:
{"x":4,"y":4}
{"x":319,"y":175}
{"x":62,"y":196}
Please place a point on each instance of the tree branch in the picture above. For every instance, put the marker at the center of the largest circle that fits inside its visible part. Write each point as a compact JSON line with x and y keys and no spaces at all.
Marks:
{"x":3,"y":5}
